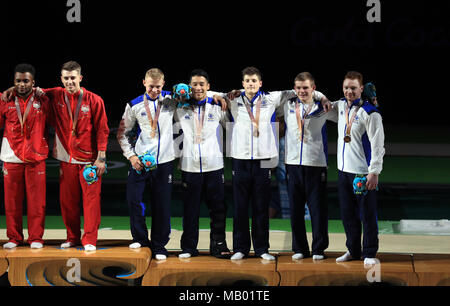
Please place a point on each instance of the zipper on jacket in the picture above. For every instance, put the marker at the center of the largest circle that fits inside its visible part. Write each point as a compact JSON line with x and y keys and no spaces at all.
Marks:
{"x":251,"y":131}
{"x":301,"y":147}
{"x":159,"y":135}
{"x":199,"y":150}
{"x":343,"y":149}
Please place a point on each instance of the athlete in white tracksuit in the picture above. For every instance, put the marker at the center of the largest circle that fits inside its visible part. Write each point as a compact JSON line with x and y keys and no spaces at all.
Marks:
{"x":202,"y":167}
{"x":135,"y":138}
{"x":306,"y":158}
{"x":361,"y":124}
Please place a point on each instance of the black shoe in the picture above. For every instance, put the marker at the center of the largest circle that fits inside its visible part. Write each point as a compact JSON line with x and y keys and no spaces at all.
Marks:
{"x":219,"y":250}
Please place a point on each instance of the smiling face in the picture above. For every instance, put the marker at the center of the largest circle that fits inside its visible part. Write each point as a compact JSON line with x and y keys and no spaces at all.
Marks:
{"x":23,"y":83}
{"x":304,"y":90}
{"x":251,"y":84}
{"x":352,"y":89}
{"x":153,"y":86}
{"x":200,"y":86}
{"x":71,"y":80}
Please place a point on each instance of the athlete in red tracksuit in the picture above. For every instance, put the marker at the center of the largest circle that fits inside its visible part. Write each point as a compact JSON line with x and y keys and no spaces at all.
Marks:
{"x":75,"y":146}
{"x":23,"y":152}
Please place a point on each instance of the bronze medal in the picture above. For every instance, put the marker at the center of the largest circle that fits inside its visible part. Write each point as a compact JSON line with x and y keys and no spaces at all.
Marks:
{"x":347,"y":138}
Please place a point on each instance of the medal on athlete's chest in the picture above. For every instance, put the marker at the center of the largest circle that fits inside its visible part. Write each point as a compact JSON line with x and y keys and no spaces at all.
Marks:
{"x":349,"y":122}
{"x":153,"y":122}
{"x":347,"y":138}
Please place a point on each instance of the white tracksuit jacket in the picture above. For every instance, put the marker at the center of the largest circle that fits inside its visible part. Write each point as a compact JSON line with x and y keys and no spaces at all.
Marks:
{"x":135,"y":123}
{"x":364,"y":153}
{"x":244,"y":145}
{"x":312,"y":150}
{"x":208,"y":154}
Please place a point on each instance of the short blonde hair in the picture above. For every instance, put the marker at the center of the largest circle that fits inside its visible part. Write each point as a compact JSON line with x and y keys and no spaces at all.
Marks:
{"x":155,"y":74}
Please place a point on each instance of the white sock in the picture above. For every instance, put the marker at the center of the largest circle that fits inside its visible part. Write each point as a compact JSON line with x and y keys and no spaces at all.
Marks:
{"x":89,"y":247}
{"x":135,"y":245}
{"x":267,"y":256}
{"x":36,"y":245}
{"x":9,"y":245}
{"x":237,"y":256}
{"x":297,"y":256}
{"x":67,"y":244}
{"x":161,"y":256}
{"x":318,"y":257}
{"x":345,"y":257}
{"x":370,"y":261}
{"x":184,"y":255}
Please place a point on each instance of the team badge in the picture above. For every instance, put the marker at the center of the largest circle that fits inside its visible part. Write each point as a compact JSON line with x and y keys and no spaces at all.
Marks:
{"x":85,"y":109}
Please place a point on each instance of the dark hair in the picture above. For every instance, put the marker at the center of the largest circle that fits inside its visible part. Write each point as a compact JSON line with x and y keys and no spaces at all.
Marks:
{"x":71,"y":66}
{"x":199,"y":72}
{"x":24,"y":67}
{"x":251,"y":71}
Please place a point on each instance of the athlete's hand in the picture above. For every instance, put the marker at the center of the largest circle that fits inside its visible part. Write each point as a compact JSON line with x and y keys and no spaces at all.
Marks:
{"x":218,"y":99}
{"x":101,"y":167}
{"x":233,"y":94}
{"x":136,"y":163}
{"x":372,"y":181}
{"x":39,"y":92}
{"x":7,"y":94}
{"x":326,"y":105}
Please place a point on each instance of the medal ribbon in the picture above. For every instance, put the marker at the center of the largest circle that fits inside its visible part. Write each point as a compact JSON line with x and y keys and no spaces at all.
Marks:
{"x":153,"y":122}
{"x":74,"y":118}
{"x":27,"y":111}
{"x":347,"y":114}
{"x":300,"y":118}
{"x":254,"y":119}
{"x":199,"y":120}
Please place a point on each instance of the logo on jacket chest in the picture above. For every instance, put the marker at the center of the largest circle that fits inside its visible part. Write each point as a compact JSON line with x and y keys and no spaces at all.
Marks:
{"x":85,"y":109}
{"x":37,"y":105}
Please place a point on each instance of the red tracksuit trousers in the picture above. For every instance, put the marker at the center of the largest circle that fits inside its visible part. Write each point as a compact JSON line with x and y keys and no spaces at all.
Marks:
{"x":72,"y":188}
{"x":28,"y":178}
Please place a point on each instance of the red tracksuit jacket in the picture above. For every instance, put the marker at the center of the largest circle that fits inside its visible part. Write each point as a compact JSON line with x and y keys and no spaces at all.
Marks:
{"x":91,"y":133}
{"x":29,"y":145}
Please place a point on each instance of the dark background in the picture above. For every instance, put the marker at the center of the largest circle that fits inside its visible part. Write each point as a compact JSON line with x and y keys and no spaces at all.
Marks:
{"x":406,"y":55}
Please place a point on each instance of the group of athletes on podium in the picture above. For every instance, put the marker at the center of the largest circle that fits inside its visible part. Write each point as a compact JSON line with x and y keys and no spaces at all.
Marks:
{"x":148,"y":125}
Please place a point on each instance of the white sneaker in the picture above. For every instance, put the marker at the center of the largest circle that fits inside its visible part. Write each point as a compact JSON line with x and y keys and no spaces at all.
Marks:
{"x":89,"y":247}
{"x":345,"y":257}
{"x":161,"y":256}
{"x":9,"y":245}
{"x":297,"y":256}
{"x":267,"y":256}
{"x":67,"y":244}
{"x":370,"y":261}
{"x":237,"y":256}
{"x":184,"y":255}
{"x":36,"y":245}
{"x":135,"y":245}
{"x":318,"y":257}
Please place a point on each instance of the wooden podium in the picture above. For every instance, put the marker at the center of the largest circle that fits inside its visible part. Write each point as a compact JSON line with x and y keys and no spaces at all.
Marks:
{"x":432,"y":270}
{"x":205,"y":270}
{"x":111,"y":264}
{"x":394,"y":270}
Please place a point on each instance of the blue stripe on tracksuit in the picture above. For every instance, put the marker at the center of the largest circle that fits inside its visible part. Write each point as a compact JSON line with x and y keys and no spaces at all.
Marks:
{"x":160,"y":187}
